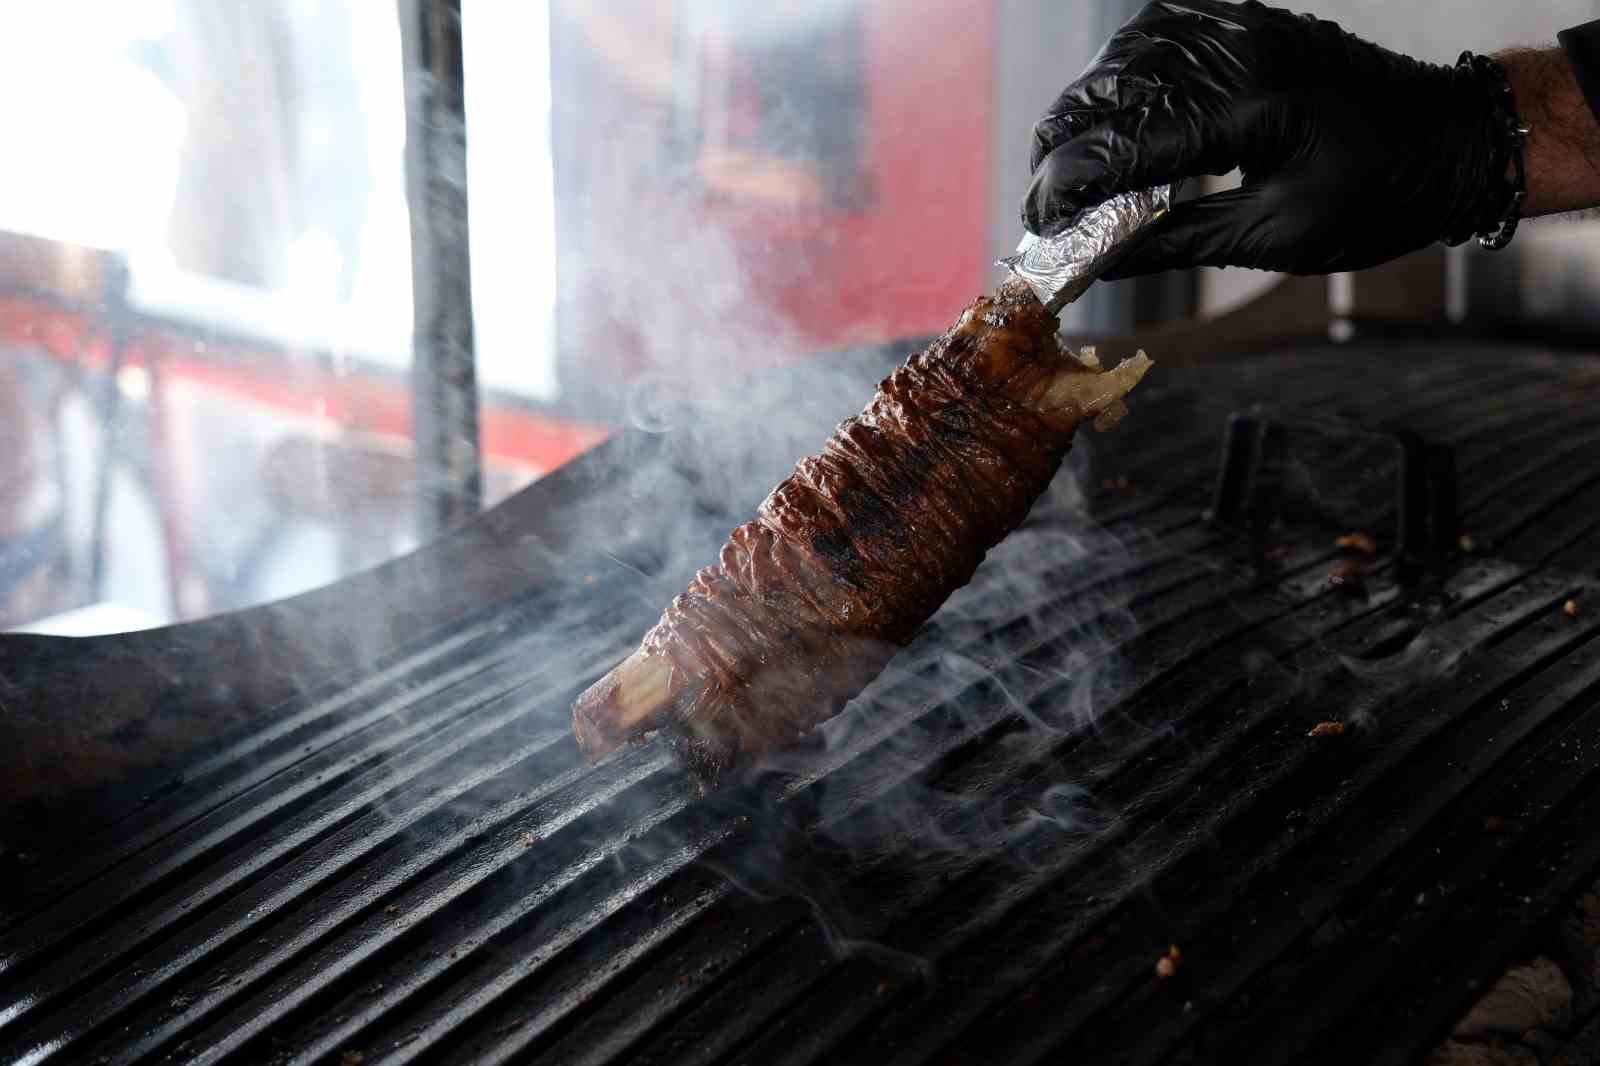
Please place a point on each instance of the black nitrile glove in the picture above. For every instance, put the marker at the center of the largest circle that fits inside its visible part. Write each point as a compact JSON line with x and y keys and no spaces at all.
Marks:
{"x":1352,"y":155}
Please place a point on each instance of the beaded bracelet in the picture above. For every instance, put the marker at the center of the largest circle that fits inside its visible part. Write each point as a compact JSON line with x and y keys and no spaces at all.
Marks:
{"x":1516,"y":135}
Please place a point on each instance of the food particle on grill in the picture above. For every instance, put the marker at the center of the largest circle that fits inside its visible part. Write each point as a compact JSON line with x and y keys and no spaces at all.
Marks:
{"x":1116,"y":484}
{"x":1347,"y":575}
{"x":1327,"y":729}
{"x":1466,"y":543}
{"x":392,"y":908}
{"x":529,"y":840}
{"x":1494,"y":824}
{"x":1570,"y":608}
{"x":352,"y":1058}
{"x":861,"y":544}
{"x":1167,"y":965}
{"x":1364,"y":543}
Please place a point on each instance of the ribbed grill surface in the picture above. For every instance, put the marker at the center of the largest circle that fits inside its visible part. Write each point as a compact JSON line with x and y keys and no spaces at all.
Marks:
{"x":421,"y":868}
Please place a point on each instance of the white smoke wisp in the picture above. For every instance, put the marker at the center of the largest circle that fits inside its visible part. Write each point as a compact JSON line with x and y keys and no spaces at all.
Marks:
{"x":1018,"y":662}
{"x":950,"y":757}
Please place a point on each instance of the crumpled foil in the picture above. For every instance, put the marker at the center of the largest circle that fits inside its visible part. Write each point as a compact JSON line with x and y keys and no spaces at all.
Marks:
{"x":1060,"y":268}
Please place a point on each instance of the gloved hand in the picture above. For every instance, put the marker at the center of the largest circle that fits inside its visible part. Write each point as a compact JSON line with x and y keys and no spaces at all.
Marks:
{"x":1352,"y":155}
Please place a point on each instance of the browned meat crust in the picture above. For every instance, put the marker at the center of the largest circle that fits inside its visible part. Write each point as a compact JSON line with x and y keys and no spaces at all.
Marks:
{"x":854,"y":551}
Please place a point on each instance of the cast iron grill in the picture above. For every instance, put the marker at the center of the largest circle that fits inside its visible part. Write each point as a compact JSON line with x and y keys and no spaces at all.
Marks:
{"x":418,"y":867}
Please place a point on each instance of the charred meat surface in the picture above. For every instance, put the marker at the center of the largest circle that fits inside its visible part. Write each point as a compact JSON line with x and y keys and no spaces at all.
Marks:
{"x":857,"y":548}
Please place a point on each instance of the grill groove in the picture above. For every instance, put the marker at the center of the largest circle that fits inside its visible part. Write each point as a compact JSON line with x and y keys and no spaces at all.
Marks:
{"x":354,"y":874}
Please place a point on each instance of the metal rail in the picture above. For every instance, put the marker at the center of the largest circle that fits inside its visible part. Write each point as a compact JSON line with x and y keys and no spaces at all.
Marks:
{"x":444,"y":374}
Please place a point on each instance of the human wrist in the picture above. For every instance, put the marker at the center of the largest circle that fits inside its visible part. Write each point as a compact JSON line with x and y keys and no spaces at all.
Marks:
{"x":1562,"y":151}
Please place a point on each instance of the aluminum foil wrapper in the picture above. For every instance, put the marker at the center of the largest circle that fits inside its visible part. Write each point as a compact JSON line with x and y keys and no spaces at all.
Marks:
{"x":1060,"y":268}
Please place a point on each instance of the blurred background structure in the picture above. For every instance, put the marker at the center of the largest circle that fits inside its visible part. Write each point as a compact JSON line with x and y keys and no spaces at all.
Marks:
{"x":206,"y":285}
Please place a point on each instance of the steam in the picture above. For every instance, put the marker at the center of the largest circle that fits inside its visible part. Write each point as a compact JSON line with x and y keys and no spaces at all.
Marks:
{"x":719,"y":395}
{"x":1019,"y":664}
{"x":1427,"y":656}
{"x":1007,"y":659}
{"x":670,"y":325}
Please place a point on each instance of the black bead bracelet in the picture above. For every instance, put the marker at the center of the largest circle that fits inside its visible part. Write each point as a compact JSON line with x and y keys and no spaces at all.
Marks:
{"x":1515,"y":135}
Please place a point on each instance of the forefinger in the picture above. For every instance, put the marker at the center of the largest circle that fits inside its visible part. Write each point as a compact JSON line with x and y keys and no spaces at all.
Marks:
{"x":1116,"y":79}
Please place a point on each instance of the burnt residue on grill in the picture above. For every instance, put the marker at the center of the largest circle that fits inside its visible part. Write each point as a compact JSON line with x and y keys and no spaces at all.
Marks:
{"x":419,"y":866}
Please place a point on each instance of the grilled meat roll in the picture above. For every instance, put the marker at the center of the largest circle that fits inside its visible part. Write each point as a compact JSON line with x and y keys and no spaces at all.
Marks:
{"x":857,"y":548}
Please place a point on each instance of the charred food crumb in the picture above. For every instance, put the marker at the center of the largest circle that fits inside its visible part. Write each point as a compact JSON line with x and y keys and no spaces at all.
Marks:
{"x":1364,"y":543}
{"x":1327,"y":729}
{"x":1570,"y":608}
{"x":393,"y":908}
{"x":352,"y":1058}
{"x":1167,"y":965}
{"x":1347,"y":575}
{"x":1494,"y":824}
{"x":1465,"y":542}
{"x":529,"y":840}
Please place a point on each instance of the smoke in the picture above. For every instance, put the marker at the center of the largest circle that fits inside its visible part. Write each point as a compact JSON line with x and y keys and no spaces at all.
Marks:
{"x":672,"y":325}
{"x":949,"y":758}
{"x":1426,"y":657}
{"x":732,"y":395}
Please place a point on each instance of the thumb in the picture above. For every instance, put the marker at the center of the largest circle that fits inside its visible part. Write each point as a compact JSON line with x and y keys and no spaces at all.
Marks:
{"x":1223,"y":229}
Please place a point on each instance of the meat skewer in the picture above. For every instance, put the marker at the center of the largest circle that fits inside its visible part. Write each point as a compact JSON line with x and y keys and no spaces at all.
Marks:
{"x":857,"y":548}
